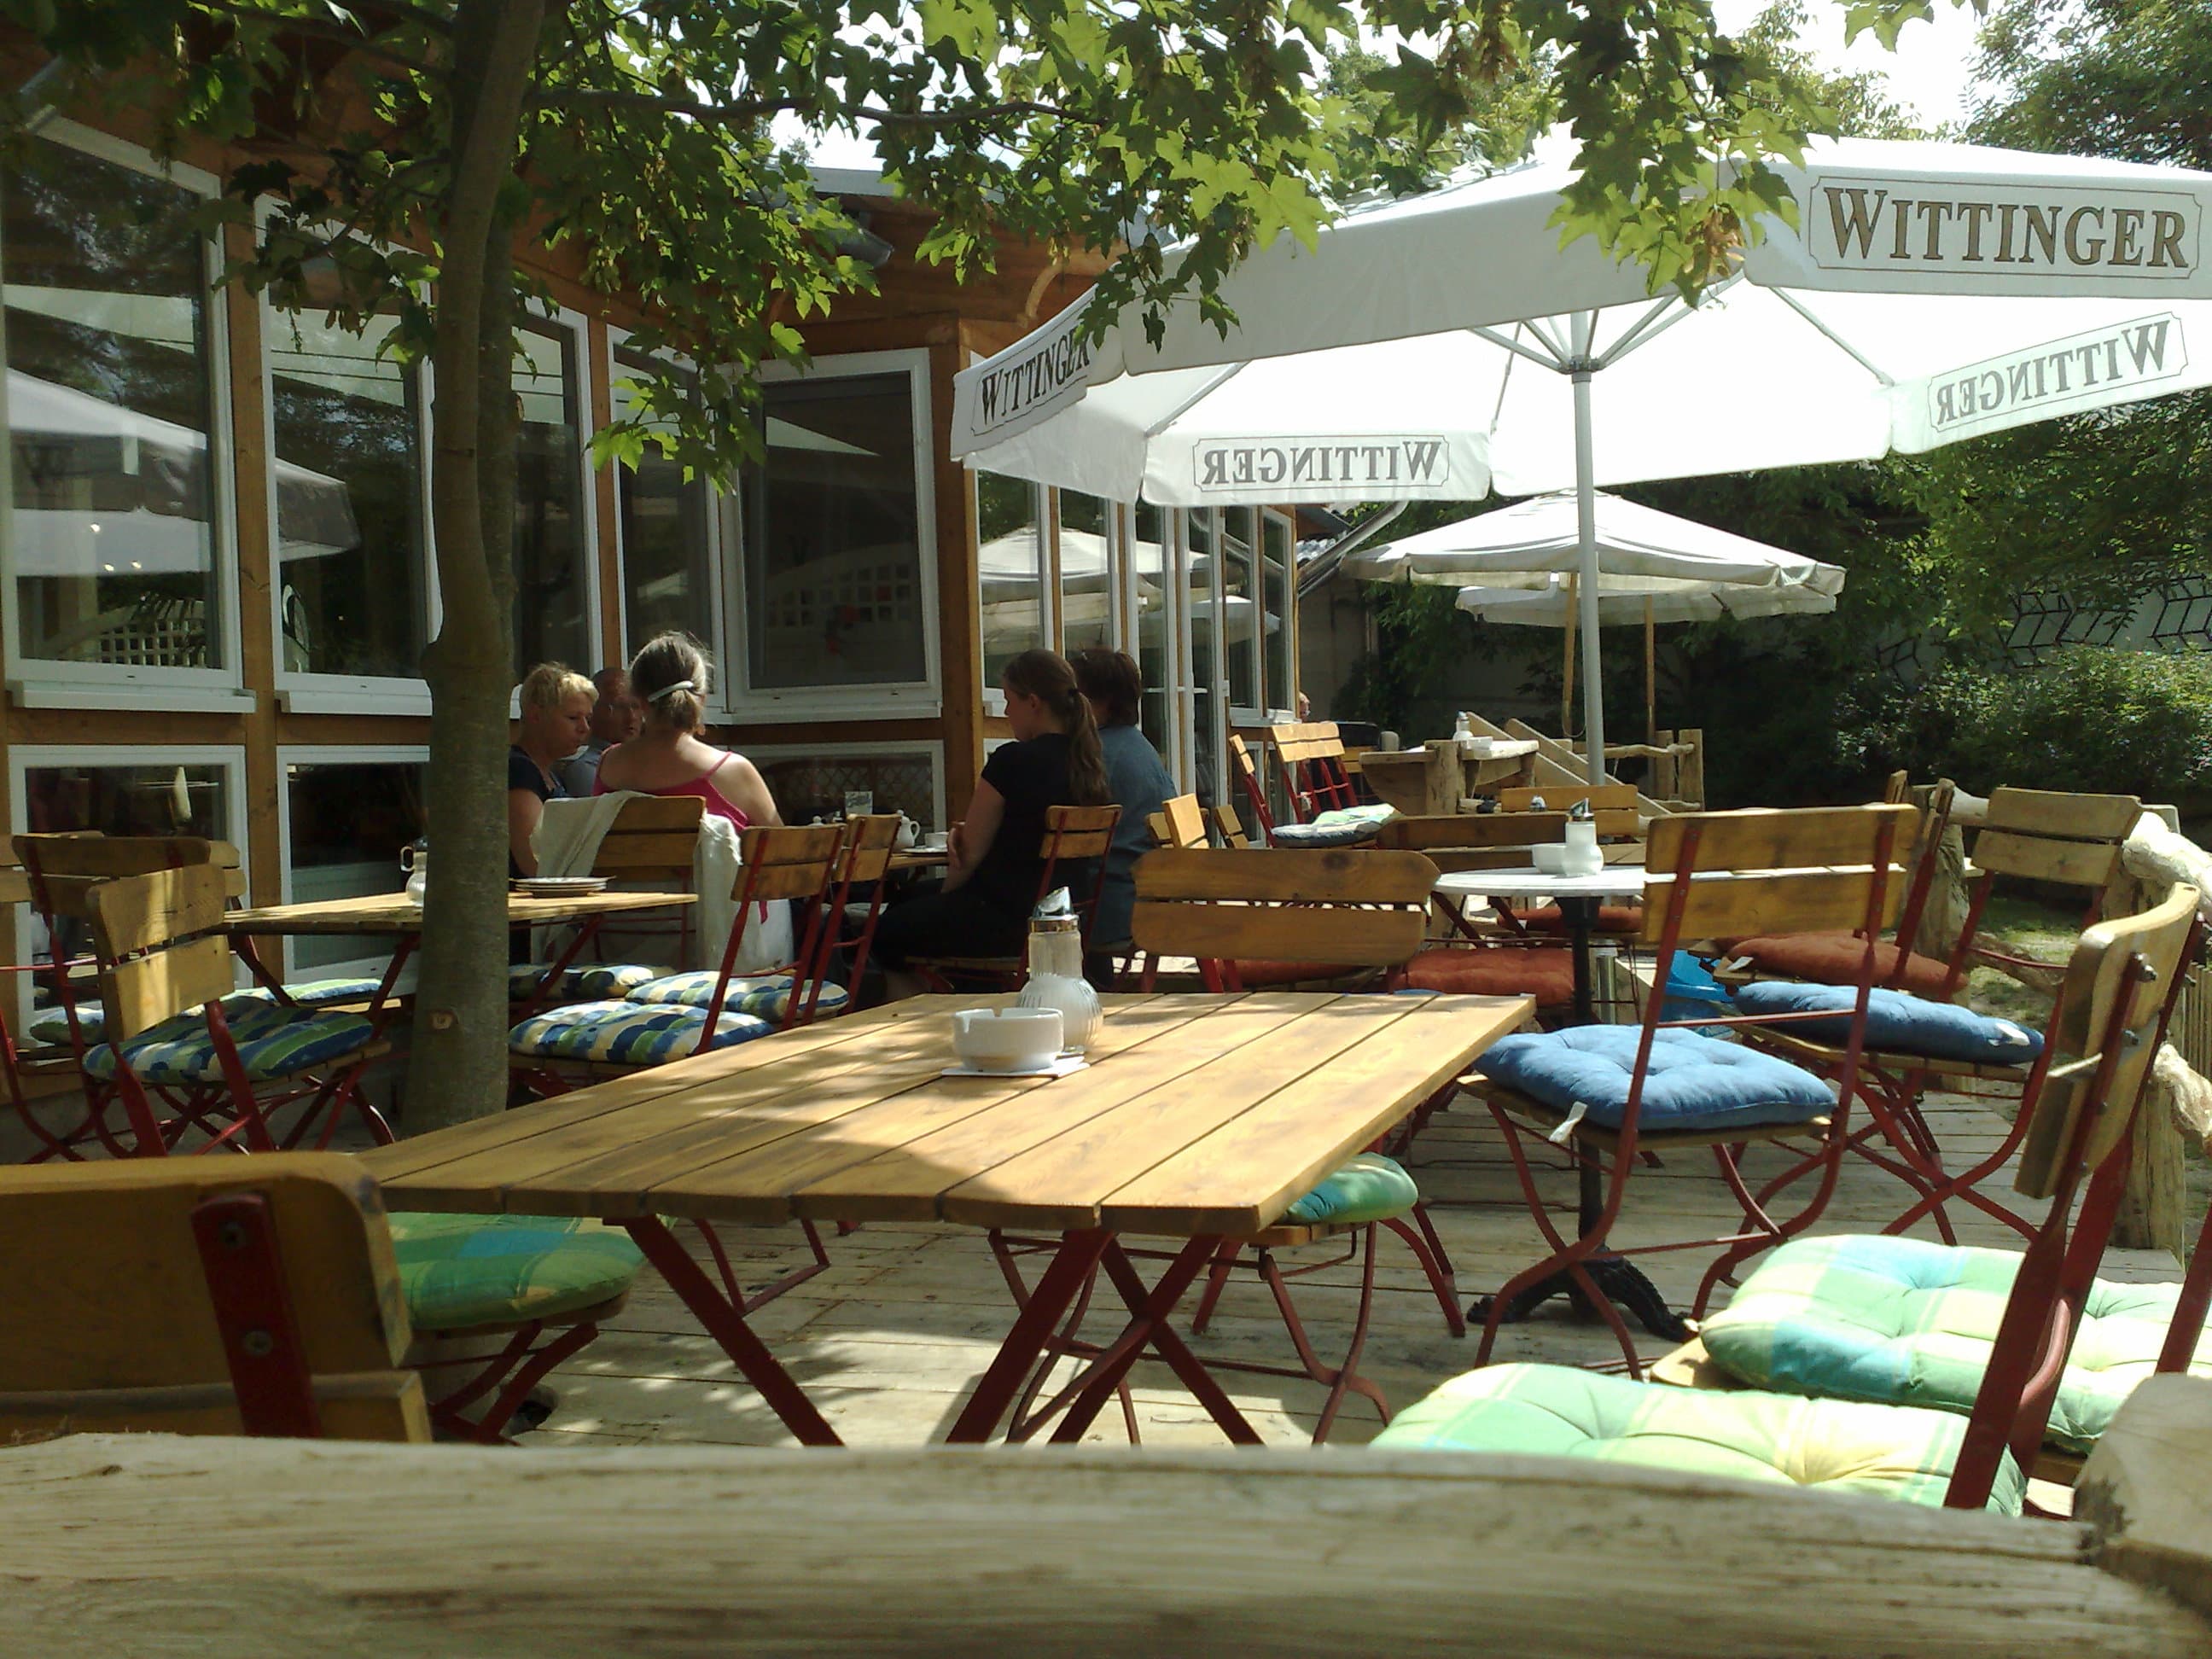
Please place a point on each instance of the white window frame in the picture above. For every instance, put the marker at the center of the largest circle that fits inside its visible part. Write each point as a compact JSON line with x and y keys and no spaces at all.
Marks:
{"x":922,"y":699}
{"x":931,"y":747}
{"x":1288,"y":573}
{"x":722,"y":530}
{"x":1240,"y":714}
{"x":288,"y":755}
{"x":588,"y":517}
{"x":1045,"y":507}
{"x":44,"y":682}
{"x":25,"y":758}
{"x":308,"y":692}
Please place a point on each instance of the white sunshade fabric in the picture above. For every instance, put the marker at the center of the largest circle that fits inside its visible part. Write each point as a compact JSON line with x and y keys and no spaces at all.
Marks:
{"x":1512,"y":566}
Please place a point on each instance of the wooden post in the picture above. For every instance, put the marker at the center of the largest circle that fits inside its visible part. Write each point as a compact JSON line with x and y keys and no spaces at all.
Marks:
{"x":1666,"y":769}
{"x":2146,"y":1492}
{"x":1651,"y":677}
{"x":1441,"y":776}
{"x":1690,"y":778}
{"x":1567,"y":672}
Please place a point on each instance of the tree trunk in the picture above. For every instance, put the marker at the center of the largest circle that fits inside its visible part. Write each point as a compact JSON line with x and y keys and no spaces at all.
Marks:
{"x":457,"y":1069}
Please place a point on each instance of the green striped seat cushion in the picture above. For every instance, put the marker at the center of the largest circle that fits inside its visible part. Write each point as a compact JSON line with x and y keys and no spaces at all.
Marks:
{"x":273,"y":1041}
{"x":766,"y":995}
{"x":1912,"y":1323}
{"x":49,"y":1027}
{"x":1823,"y":1445}
{"x":462,"y":1271}
{"x":626,"y":1033}
{"x":593,"y":982}
{"x":1367,"y":1188}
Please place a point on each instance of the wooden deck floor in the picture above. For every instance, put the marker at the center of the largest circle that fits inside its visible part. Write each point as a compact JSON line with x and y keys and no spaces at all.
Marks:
{"x":889,"y":1340}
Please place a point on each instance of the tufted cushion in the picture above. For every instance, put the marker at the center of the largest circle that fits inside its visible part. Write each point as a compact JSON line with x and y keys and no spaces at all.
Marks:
{"x":766,"y":995}
{"x":1896,"y":1024}
{"x":1911,"y":1323}
{"x":273,"y":1041}
{"x":1321,"y":833}
{"x":1550,"y":918}
{"x":49,"y":1028}
{"x":1367,"y":1188}
{"x":626,"y":1033}
{"x":593,"y":981}
{"x":1547,"y":974}
{"x":1835,"y":959}
{"x":463,"y":1272}
{"x":1825,"y":1445}
{"x":1692,"y":1083}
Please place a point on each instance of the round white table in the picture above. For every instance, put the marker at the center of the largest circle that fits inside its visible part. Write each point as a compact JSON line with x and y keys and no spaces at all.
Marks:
{"x":1577,"y":897}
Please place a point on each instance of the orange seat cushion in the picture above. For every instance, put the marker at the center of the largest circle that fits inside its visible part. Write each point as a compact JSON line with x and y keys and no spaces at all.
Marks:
{"x":1252,"y":974}
{"x":1834,"y":959}
{"x":1545,"y":974}
{"x":1548,"y":919}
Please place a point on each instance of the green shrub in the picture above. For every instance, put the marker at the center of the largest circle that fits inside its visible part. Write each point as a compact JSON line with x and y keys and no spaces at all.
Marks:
{"x":2086,"y":717}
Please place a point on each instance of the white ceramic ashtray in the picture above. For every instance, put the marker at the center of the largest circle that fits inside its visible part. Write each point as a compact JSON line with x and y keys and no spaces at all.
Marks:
{"x":1551,"y":857}
{"x":1007,"y":1039}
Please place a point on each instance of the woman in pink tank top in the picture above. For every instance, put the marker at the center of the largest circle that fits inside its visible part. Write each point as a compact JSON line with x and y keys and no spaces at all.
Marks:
{"x":669,"y":676}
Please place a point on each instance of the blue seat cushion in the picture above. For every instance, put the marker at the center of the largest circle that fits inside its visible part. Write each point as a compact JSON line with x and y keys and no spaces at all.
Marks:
{"x":593,"y":981}
{"x":1691,"y":1084}
{"x":626,"y":1033}
{"x":1367,"y":1188}
{"x":767,"y":996}
{"x":49,"y":1027}
{"x":1897,"y":1022}
{"x":273,"y":1041}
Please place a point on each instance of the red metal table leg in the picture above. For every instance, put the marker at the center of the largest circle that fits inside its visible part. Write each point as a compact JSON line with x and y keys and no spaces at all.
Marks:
{"x":1150,"y":1328}
{"x":727,"y":1327}
{"x":1034,"y":1329}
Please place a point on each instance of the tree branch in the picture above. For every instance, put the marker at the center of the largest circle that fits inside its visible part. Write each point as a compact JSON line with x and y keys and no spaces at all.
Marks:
{"x":352,"y":39}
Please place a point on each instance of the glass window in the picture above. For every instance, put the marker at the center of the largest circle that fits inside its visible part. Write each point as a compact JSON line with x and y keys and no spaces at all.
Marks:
{"x":1277,"y":575}
{"x":1155,"y":644}
{"x":666,"y":523}
{"x":1207,"y":719}
{"x":108,"y":410}
{"x":1086,"y":590}
{"x":814,"y":786}
{"x":833,"y":538}
{"x":353,"y":595}
{"x":348,"y":820}
{"x":1010,"y":571}
{"x":1240,"y":612}
{"x":552,"y":559}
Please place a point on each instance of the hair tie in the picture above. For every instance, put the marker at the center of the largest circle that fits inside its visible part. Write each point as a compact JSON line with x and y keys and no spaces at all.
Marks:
{"x":667,"y":691}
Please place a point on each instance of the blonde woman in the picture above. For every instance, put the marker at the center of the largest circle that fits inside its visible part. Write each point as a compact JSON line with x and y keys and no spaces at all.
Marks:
{"x":556,"y":719}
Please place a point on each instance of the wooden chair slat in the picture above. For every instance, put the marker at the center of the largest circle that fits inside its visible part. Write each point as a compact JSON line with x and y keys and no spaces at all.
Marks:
{"x":791,"y":844}
{"x":1273,"y":932}
{"x":651,"y":814}
{"x":2040,"y":858}
{"x":131,"y":913}
{"x":1762,"y":903}
{"x":75,"y":854}
{"x":2073,"y":817}
{"x":146,"y":990}
{"x":1794,"y":838}
{"x":627,"y":857}
{"x":1466,"y":831}
{"x":870,"y":841}
{"x":1283,"y":875}
{"x":1180,"y":822}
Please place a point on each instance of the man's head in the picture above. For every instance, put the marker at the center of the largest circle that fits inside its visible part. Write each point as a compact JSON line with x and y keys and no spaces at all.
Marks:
{"x":617,"y":715}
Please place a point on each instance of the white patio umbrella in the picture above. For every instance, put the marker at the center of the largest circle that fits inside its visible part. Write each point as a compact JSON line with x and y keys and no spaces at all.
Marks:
{"x":1932,"y":292}
{"x":1653,"y":567}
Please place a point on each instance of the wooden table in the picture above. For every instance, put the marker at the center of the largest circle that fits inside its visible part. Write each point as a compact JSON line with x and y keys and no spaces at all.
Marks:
{"x":920,"y":858}
{"x":1201,"y":1118}
{"x":1437,"y":777}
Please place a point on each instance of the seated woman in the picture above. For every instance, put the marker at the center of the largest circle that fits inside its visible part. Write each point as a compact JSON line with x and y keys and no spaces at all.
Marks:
{"x":557,"y":720}
{"x":996,"y":862}
{"x":667,"y":757}
{"x":1114,"y":687}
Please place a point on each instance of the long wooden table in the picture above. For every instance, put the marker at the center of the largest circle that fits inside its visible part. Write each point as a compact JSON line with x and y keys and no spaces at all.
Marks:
{"x":1200,"y":1117}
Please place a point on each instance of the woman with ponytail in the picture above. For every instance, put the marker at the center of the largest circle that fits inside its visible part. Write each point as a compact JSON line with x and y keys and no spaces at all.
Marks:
{"x":668,"y":757}
{"x":991,"y":881}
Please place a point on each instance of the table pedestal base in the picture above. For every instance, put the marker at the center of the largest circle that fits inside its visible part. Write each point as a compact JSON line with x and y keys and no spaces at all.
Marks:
{"x":1621,"y":1281}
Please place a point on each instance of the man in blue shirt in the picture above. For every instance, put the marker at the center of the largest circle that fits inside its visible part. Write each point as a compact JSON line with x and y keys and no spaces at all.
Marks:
{"x":1140,"y":783}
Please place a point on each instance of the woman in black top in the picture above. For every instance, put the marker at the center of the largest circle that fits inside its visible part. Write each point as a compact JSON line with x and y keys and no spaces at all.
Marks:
{"x":996,"y":852}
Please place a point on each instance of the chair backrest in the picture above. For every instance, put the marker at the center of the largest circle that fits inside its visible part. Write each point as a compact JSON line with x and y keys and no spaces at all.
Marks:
{"x":1613,"y":805}
{"x":1472,"y":841}
{"x":203,"y":1296}
{"x":1896,"y":789}
{"x":1358,"y":908}
{"x":1803,"y":870}
{"x":786,"y":861}
{"x":1309,"y":756}
{"x":2071,"y":840}
{"x":61,"y":868}
{"x":1227,"y":827}
{"x":1179,"y":822}
{"x":1248,"y":780}
{"x":871,"y":838}
{"x":1078,"y":832}
{"x":159,"y":952}
{"x":653,"y":838}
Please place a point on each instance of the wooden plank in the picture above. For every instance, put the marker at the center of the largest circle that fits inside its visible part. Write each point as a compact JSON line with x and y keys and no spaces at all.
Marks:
{"x":2143,"y":1490}
{"x":146,"y":990}
{"x":2039,"y":858}
{"x":1059,"y":1184}
{"x":138,"y":913}
{"x":1793,"y":838}
{"x":1281,"y":932}
{"x":2071,"y":817}
{"x":1462,"y":830}
{"x":904,"y":1183}
{"x":1755,"y":905}
{"x":1345,"y":875}
{"x":389,"y":913}
{"x":363,"y":1405}
{"x":626,"y":857}
{"x":108,"y":856}
{"x":1242,"y":1177}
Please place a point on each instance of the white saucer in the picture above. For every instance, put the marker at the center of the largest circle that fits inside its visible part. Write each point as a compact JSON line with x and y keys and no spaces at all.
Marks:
{"x":1058,"y":1067}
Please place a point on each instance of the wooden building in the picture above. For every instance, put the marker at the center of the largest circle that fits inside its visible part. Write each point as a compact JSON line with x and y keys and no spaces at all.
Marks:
{"x":215,"y":560}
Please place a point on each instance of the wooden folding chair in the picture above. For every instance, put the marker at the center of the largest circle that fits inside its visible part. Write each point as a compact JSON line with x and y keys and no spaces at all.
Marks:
{"x":1248,"y":780}
{"x":1309,"y":761}
{"x":1712,"y":874}
{"x":1227,"y":829}
{"x":864,"y":861}
{"x":254,"y":1296}
{"x":651,"y":844}
{"x":1073,"y":835}
{"x":1180,"y":822}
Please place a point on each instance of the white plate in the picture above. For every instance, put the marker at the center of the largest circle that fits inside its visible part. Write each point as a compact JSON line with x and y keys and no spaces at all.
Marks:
{"x":561,"y":886}
{"x":1060,"y":1067}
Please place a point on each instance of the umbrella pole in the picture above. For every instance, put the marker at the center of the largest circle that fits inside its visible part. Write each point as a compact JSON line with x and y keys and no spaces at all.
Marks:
{"x":1650,"y":670}
{"x":1585,"y":326}
{"x":1567,"y":667}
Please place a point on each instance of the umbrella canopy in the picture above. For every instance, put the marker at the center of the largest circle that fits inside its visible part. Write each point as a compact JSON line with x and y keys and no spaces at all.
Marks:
{"x":1928,"y":293}
{"x":1650,"y":564}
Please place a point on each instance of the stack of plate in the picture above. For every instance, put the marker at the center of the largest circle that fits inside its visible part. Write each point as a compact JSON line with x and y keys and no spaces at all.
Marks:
{"x":560,"y":886}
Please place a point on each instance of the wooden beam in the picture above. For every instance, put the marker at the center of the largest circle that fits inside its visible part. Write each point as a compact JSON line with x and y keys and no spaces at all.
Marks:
{"x":2146,"y":1492}
{"x":960,"y":664}
{"x":608,"y":551}
{"x":131,"y":1543}
{"x":256,"y":577}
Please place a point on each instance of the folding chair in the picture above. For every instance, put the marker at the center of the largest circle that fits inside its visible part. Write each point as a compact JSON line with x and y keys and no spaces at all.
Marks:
{"x":2049,"y":840}
{"x":2121,"y":984}
{"x":1336,"y":826}
{"x":1227,"y":829}
{"x":1591,"y":1091}
{"x":651,"y":844}
{"x":175,"y":1030}
{"x":864,"y":861}
{"x":1179,"y":822}
{"x":1073,"y":835}
{"x":1309,"y":760}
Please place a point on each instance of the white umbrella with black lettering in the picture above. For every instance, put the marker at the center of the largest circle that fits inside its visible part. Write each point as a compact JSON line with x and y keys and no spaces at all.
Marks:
{"x":1925,"y":293}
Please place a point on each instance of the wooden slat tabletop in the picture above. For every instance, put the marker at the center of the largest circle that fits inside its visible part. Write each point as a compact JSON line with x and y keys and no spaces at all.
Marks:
{"x":389,"y":913}
{"x":1198,"y":1113}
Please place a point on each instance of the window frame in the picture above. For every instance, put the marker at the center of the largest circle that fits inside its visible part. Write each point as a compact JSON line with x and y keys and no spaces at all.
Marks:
{"x":307,"y":692}
{"x":1289,"y":620}
{"x":548,"y":318}
{"x":45,"y":682}
{"x":922,"y":699}
{"x":289,"y":755}
{"x":933,"y":748}
{"x":1240,"y":713}
{"x":1045,"y":505}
